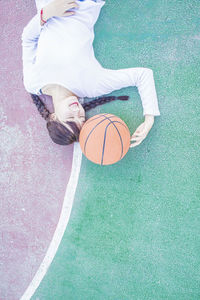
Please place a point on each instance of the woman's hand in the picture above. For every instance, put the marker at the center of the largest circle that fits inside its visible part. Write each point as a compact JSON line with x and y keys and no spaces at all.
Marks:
{"x":59,"y":8}
{"x":142,"y":131}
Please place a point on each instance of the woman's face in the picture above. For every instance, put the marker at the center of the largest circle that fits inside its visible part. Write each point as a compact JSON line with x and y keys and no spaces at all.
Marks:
{"x":69,"y":109}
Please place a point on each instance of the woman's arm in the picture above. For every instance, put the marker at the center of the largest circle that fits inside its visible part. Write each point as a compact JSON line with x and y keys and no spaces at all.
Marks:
{"x":32,"y":30}
{"x":29,"y":37}
{"x":59,"y":8}
{"x":31,"y":34}
{"x":143,"y":79}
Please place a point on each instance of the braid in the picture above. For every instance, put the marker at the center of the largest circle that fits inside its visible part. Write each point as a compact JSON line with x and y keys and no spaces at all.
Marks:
{"x":58,"y":132}
{"x":102,"y":100}
{"x":44,"y":112}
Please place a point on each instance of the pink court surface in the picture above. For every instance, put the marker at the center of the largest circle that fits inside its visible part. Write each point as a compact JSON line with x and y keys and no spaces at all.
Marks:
{"x":34,"y":171}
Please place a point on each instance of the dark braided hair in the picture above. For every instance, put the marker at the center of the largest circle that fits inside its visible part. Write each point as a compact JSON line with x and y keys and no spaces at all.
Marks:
{"x":57,"y":131}
{"x":102,"y":100}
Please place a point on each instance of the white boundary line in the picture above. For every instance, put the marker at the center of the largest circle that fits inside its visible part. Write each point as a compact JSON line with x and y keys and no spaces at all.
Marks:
{"x":62,"y":224}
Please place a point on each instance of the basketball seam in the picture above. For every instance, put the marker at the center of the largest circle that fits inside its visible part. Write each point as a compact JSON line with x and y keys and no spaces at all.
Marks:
{"x":117,"y":130}
{"x":124,"y":124}
{"x":90,"y":134}
{"x":102,"y":115}
{"x":105,"y":139}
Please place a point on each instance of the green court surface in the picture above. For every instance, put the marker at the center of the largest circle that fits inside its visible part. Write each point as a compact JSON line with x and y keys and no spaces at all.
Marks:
{"x":134,"y":227}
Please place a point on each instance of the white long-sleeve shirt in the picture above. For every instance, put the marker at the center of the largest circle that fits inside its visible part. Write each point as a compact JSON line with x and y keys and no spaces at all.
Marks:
{"x":61,"y":52}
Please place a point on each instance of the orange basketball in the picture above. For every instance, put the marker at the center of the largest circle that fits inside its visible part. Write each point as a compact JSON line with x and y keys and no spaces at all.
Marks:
{"x":104,"y":139}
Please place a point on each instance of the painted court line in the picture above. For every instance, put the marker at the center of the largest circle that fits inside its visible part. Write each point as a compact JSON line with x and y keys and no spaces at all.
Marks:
{"x":62,"y":224}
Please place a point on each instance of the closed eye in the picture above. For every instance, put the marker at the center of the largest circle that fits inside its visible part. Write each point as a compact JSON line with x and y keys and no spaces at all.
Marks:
{"x":72,"y":118}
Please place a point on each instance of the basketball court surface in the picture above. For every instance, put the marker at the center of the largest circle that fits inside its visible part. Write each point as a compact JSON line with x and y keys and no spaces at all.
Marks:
{"x":74,"y":230}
